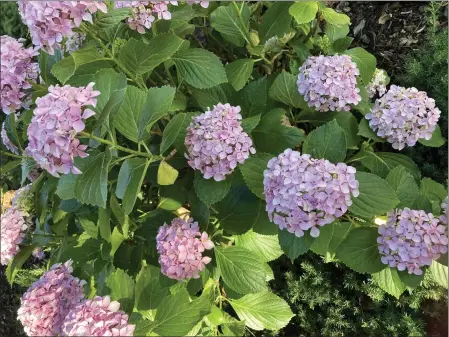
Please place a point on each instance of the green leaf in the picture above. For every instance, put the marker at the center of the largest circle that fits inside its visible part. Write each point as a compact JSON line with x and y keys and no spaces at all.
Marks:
{"x":11,"y":130}
{"x":122,"y":289}
{"x":91,"y":185}
{"x":104,"y":223}
{"x":63,"y":69}
{"x":359,"y":250}
{"x":206,"y":98}
{"x":241,"y":270}
{"x":157,"y":104}
{"x":138,"y":57}
{"x":172,"y":197}
{"x":108,"y":82}
{"x":81,"y":250}
{"x":238,"y":72}
{"x":327,"y":141}
{"x":335,"y":33}
{"x":9,"y":166}
{"x":67,"y":182}
{"x":210,"y":191}
{"x":166,"y":174}
{"x":411,"y":280}
{"x":111,"y":19}
{"x":89,"y":227}
{"x":265,"y":246}
{"x":252,"y":170}
{"x":285,"y":90}
{"x":334,"y":18}
{"x":436,"y":141}
{"x":272,"y":137}
{"x":27,"y":165}
{"x":367,"y":132}
{"x":404,"y":185}
{"x":349,"y":124}
{"x":376,"y":196}
{"x":389,"y":281}
{"x":250,"y":106}
{"x":225,"y":19}
{"x":129,"y":181}
{"x":365,"y":62}
{"x":331,"y":236}
{"x":294,"y":246}
{"x":342,"y":44}
{"x":17,"y":262}
{"x":116,"y":240}
{"x":239,"y":210}
{"x":250,"y":123}
{"x":439,"y":273}
{"x":433,"y":190}
{"x":175,"y":132}
{"x":304,"y":12}
{"x":275,"y":21}
{"x":151,"y":288}
{"x":199,"y":210}
{"x":200,"y":68}
{"x":263,"y":310}
{"x":46,"y":62}
{"x":179,"y":102}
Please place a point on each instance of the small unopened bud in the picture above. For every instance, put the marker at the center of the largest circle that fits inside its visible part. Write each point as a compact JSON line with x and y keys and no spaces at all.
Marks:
{"x":254,"y":38}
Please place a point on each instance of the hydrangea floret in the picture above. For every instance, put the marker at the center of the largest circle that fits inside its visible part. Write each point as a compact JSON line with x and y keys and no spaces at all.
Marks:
{"x":13,"y":224}
{"x":378,"y":84}
{"x":303,"y":193}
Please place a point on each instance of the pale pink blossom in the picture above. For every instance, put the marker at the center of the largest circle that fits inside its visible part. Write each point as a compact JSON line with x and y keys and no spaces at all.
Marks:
{"x":13,"y":224}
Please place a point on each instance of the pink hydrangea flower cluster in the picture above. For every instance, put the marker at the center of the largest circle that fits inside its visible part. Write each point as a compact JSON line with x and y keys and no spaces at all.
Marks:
{"x":181,"y":246}
{"x":329,"y":82}
{"x":304,"y":193}
{"x":97,"y":317}
{"x":7,"y":142}
{"x":145,"y":13}
{"x":50,"y":21}
{"x":378,"y":83}
{"x":16,"y":70}
{"x":216,"y":142}
{"x":412,"y":239}
{"x":13,"y":223}
{"x":403,"y":116}
{"x":57,"y":119}
{"x":47,"y":302}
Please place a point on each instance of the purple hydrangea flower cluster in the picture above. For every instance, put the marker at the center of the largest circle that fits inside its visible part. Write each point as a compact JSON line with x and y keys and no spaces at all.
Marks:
{"x":13,"y":224}
{"x":329,"y":82}
{"x":16,"y":70}
{"x":57,"y":119}
{"x":304,"y":193}
{"x":378,"y":84}
{"x":47,"y":302}
{"x":403,"y":116}
{"x":97,"y":317}
{"x":216,"y":142}
{"x":7,"y":142}
{"x":50,"y":21}
{"x":412,"y":239}
{"x":145,"y":13}
{"x":181,"y":246}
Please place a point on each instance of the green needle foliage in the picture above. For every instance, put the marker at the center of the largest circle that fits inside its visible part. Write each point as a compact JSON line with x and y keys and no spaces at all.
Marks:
{"x":11,"y":22}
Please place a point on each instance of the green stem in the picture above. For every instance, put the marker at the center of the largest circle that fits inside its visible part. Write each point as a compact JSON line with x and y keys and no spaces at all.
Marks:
{"x":3,"y":153}
{"x":239,"y":13}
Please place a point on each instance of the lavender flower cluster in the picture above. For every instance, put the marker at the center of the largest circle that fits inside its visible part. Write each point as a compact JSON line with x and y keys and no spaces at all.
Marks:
{"x":378,"y":83}
{"x":304,"y":193}
{"x":216,"y":142}
{"x":97,"y":317}
{"x":181,"y":246}
{"x":329,"y":82}
{"x":16,"y":70}
{"x":47,"y":302}
{"x":57,"y":119}
{"x":403,"y":116}
{"x":13,"y":224}
{"x":50,"y":21}
{"x":7,"y":142}
{"x":412,"y":239}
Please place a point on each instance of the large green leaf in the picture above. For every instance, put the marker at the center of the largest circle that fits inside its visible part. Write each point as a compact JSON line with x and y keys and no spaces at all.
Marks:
{"x":166,"y":174}
{"x":360,"y":252}
{"x":327,"y":141}
{"x":365,"y":62}
{"x":334,"y":18}
{"x":209,"y":97}
{"x":104,"y":223}
{"x":175,"y":132}
{"x":367,"y":132}
{"x":129,"y":181}
{"x":331,"y":236}
{"x":238,"y":72}
{"x":265,"y":246}
{"x":285,"y":90}
{"x":376,"y":196}
{"x":263,"y":310}
{"x":252,"y":170}
{"x":241,"y":270}
{"x":210,"y":191}
{"x":107,"y":81}
{"x":436,"y":141}
{"x":200,"y":68}
{"x":349,"y":124}
{"x":225,"y":19}
{"x":250,"y":106}
{"x":91,"y":185}
{"x":433,"y":190}
{"x":121,"y":287}
{"x":239,"y":210}
{"x":304,"y":12}
{"x":138,"y":57}
{"x":275,"y":21}
{"x":404,"y":185}
{"x":111,"y":19}
{"x":16,"y":263}
{"x":439,"y":273}
{"x":292,"y":245}
{"x":389,"y":281}
{"x":272,"y":137}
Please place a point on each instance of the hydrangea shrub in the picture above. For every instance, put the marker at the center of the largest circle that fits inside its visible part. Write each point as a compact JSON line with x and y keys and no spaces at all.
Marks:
{"x":170,"y":150}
